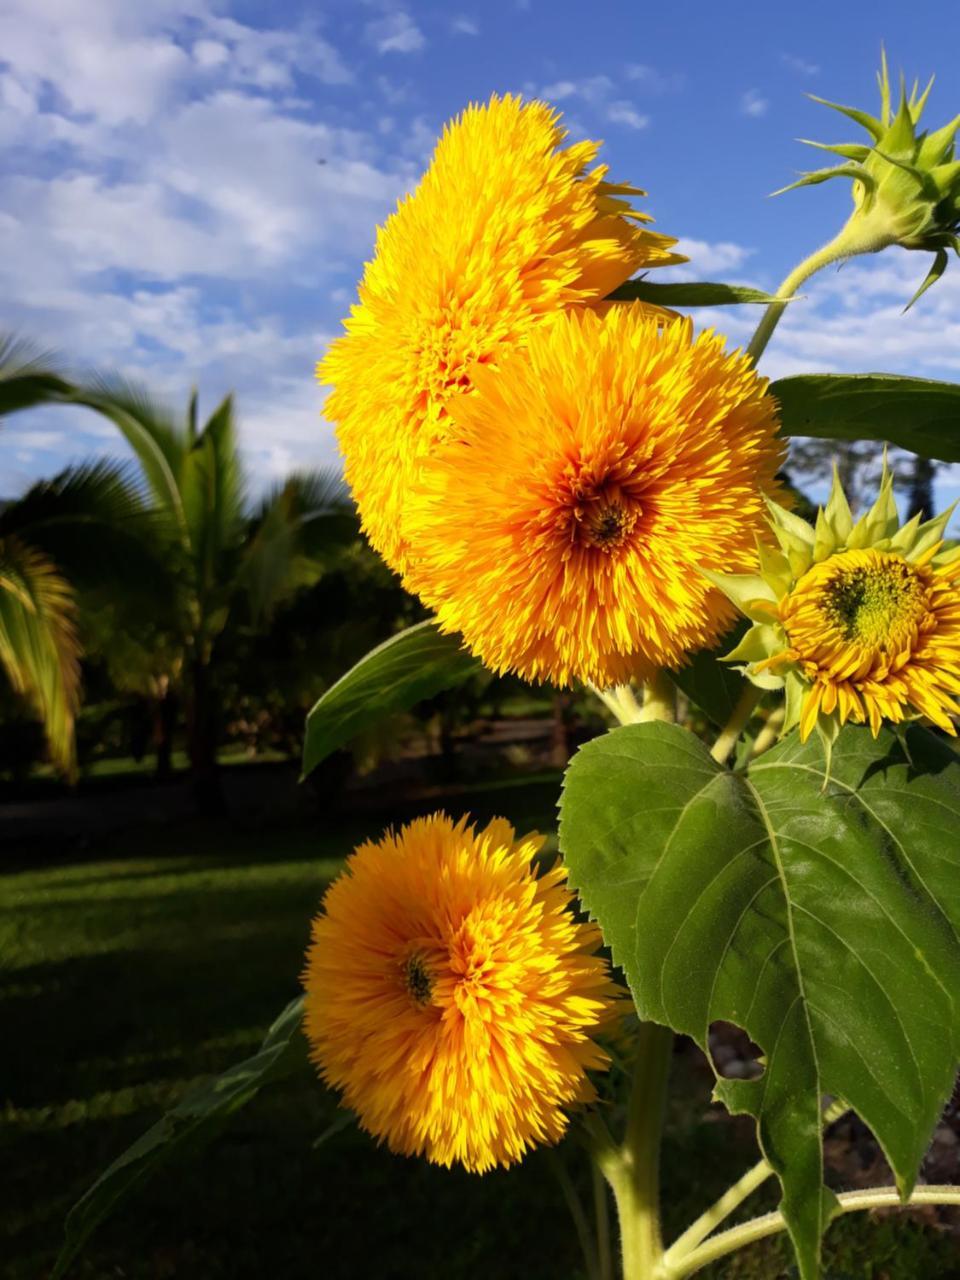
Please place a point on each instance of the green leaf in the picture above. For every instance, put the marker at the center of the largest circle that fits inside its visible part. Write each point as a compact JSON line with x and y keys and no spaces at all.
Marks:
{"x":193,"y":1122}
{"x":402,"y":671}
{"x":918,"y":414}
{"x":39,"y":647}
{"x":709,"y":684}
{"x":822,"y":921}
{"x":692,"y":294}
{"x":28,"y":376}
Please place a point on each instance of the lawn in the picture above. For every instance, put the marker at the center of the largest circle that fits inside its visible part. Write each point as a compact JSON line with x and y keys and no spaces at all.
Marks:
{"x":160,"y":957}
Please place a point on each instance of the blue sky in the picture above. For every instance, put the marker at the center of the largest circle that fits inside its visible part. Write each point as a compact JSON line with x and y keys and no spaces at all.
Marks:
{"x":164,"y":211}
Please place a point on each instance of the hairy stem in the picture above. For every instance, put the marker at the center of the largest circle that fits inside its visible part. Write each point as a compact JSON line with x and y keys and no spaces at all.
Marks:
{"x":633,"y":1169}
{"x":588,"y":1246}
{"x":769,"y":733}
{"x":602,"y":1221}
{"x":840,"y":247}
{"x":732,"y":1198}
{"x":659,"y":698}
{"x":731,"y":731}
{"x":758,"y":1228}
{"x":621,"y":700}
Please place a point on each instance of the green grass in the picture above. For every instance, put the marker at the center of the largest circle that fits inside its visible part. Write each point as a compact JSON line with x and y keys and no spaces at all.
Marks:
{"x":161,"y":958}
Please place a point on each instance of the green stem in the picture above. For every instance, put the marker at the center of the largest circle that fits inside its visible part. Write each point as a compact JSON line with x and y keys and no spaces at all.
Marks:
{"x":731,"y":731}
{"x":633,"y":1169}
{"x":659,"y":698}
{"x":769,"y":733}
{"x":584,"y":1234}
{"x":698,"y":1231}
{"x":602,"y":1222}
{"x":840,"y":247}
{"x":771,"y":1223}
{"x":621,"y":700}
{"x":733,"y":1198}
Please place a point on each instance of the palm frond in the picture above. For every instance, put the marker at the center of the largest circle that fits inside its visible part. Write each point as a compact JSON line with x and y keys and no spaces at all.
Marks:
{"x":38,"y":643}
{"x":153,"y":432}
{"x":213,"y":493}
{"x":299,"y":529}
{"x":95,"y":522}
{"x":28,"y":375}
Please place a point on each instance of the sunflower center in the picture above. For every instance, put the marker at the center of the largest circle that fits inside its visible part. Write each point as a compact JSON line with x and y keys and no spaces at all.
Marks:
{"x":417,"y":978}
{"x":871,"y":604}
{"x":606,"y":523}
{"x":876,"y":600}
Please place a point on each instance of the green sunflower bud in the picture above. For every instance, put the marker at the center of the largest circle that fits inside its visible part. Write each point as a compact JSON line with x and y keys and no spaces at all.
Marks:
{"x":906,"y":184}
{"x":856,"y":620}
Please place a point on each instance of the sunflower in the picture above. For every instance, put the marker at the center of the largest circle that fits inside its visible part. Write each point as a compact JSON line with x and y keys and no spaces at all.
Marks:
{"x":563,"y":529}
{"x":859,"y":622}
{"x":506,"y":229}
{"x":452,"y":995}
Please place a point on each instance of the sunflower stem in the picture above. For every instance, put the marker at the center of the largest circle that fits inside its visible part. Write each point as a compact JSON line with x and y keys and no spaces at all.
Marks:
{"x":844,"y":245}
{"x":588,"y":1247}
{"x":731,"y":731}
{"x":633,"y":1168}
{"x":659,"y":699}
{"x":769,"y":733}
{"x":769,"y":1224}
{"x":731,"y":1199}
{"x":602,"y":1219}
{"x":621,"y":700}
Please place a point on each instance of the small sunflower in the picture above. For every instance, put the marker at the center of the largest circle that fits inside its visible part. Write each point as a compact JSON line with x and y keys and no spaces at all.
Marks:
{"x":858,"y":621}
{"x":452,"y":995}
{"x":506,"y":229}
{"x":562,"y":531}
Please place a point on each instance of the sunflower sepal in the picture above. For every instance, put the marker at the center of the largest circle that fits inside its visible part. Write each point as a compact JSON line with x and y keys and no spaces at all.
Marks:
{"x":866,"y":627}
{"x":762,"y":640}
{"x":906,"y":184}
{"x":795,"y":690}
{"x":751,"y":594}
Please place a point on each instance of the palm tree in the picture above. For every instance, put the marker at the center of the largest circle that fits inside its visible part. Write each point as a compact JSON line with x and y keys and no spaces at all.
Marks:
{"x":38,"y":640}
{"x":215,"y":554}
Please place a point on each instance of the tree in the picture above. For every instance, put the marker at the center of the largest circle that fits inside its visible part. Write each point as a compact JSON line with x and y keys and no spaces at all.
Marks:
{"x":920,"y":499}
{"x":38,"y":642}
{"x":214,"y":553}
{"x":858,"y":464}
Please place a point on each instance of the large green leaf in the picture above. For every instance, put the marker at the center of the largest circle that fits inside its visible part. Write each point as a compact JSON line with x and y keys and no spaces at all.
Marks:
{"x":191,"y":1123}
{"x":913,"y":413}
{"x":688,"y":294}
{"x":402,"y":671}
{"x":823,"y":922}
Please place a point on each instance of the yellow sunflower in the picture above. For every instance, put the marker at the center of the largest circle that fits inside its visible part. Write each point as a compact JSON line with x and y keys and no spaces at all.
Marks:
{"x":452,"y":995}
{"x":564,"y":527}
{"x":507,"y":228}
{"x":858,"y":622}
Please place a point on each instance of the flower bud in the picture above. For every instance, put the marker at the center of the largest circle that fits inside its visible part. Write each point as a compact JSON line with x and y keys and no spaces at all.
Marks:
{"x":906,"y":185}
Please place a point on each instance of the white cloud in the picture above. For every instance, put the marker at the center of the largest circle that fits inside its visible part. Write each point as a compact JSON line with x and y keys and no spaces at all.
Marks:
{"x":99,"y":59}
{"x":846,"y":321}
{"x":171,"y":204}
{"x":210,"y":53}
{"x":396,"y":32}
{"x":800,"y":65}
{"x":711,"y":257}
{"x":753,"y":104}
{"x":269,"y":58}
{"x":590,"y":88}
{"x":462,"y":26}
{"x":626,"y":113}
{"x":654,"y":81}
